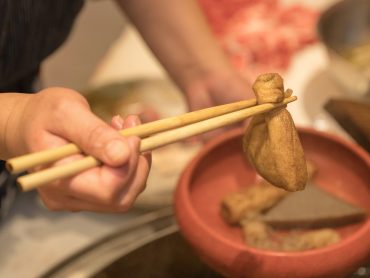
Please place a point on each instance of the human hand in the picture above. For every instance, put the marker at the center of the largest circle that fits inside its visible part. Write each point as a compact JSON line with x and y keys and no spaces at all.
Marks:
{"x":217,"y":89}
{"x":56,"y":116}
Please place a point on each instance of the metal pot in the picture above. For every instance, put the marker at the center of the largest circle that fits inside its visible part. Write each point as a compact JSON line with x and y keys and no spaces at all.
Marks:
{"x":151,"y":247}
{"x":341,"y":28}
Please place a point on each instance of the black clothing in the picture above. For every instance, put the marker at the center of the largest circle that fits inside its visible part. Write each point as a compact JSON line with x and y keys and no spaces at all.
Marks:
{"x":30,"y":30}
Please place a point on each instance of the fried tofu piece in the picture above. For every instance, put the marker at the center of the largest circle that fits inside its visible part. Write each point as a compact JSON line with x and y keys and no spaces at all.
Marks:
{"x":250,"y":201}
{"x":271,"y":141}
{"x":310,"y":240}
{"x":257,"y":234}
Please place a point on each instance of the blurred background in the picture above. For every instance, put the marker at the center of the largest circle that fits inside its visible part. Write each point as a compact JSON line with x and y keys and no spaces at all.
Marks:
{"x":106,"y":60}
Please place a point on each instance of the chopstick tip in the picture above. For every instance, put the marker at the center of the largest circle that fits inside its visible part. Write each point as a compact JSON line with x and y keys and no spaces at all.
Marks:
{"x":22,"y":187}
{"x":9,"y":167}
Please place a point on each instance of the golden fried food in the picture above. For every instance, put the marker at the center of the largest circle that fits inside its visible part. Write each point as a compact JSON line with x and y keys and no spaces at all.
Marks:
{"x":310,"y":240}
{"x":250,"y":201}
{"x":271,"y":141}
{"x":258,"y":234}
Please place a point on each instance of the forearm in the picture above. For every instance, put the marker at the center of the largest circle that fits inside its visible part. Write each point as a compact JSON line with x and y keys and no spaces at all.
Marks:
{"x":178,"y":34}
{"x":11,"y":105}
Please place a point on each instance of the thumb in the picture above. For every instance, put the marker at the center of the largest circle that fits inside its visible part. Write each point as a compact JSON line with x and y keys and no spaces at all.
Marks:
{"x":94,"y":137}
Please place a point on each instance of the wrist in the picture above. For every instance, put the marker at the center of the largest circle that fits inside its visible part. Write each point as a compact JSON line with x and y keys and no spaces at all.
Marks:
{"x":11,"y":125}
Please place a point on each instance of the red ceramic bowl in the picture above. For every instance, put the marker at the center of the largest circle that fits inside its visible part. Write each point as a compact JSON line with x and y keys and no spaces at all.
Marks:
{"x":220,"y":168}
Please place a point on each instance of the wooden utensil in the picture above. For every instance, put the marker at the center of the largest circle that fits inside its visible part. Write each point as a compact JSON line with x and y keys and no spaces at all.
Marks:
{"x":200,"y":122}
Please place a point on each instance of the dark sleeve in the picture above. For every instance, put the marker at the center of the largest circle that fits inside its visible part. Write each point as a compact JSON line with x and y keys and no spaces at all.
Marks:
{"x":8,"y":191}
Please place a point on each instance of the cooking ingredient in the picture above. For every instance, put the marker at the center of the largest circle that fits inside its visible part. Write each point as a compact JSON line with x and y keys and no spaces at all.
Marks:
{"x":271,"y":140}
{"x":261,"y":35}
{"x":258,"y":234}
{"x":312,"y":208}
{"x":250,"y":201}
{"x":309,"y":240}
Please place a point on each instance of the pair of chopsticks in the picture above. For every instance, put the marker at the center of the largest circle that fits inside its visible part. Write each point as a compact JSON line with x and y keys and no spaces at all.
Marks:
{"x":161,"y":132}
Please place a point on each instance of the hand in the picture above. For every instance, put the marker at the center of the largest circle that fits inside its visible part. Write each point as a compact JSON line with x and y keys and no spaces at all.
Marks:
{"x":217,"y":89}
{"x":56,"y":116}
{"x":178,"y":34}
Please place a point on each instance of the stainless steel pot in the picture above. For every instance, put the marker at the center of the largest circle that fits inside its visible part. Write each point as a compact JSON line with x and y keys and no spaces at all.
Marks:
{"x":343,"y":26}
{"x":151,"y":247}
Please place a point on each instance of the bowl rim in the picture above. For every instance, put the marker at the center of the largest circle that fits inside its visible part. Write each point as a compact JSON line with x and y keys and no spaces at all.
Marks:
{"x":183,"y":189}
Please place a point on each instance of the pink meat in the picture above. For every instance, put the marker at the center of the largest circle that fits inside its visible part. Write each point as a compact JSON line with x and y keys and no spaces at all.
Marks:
{"x":260,"y":36}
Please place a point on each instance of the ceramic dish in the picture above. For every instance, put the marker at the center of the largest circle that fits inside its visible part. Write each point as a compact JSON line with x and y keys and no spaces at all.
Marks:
{"x":220,"y":168}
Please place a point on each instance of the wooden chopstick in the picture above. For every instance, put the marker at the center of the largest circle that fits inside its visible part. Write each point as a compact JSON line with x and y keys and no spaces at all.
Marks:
{"x":24,"y":162}
{"x":37,"y":179}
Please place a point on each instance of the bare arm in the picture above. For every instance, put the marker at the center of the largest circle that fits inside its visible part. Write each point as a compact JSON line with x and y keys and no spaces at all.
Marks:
{"x":178,"y":34}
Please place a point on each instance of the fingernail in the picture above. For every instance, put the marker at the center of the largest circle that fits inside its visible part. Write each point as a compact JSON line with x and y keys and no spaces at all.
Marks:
{"x":118,"y":120}
{"x":116,"y":151}
{"x":137,"y":120}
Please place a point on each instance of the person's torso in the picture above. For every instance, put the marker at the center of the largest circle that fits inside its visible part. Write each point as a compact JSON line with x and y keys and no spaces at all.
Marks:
{"x":30,"y":30}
